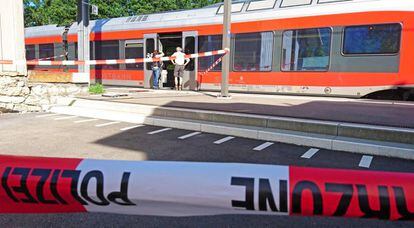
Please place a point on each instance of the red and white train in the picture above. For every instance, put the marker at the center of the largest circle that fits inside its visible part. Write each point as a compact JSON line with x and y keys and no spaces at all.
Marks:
{"x":320,"y":47}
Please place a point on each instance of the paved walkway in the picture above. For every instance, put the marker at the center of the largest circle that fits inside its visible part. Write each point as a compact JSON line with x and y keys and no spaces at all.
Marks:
{"x":362,"y":111}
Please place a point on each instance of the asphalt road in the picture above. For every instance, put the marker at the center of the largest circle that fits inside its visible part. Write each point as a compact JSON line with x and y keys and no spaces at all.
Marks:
{"x":69,"y":136}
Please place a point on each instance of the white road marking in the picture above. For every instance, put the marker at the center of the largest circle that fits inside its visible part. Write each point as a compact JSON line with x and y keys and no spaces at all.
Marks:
{"x":310,"y":153}
{"x":106,"y":124}
{"x":66,"y":118}
{"x":263,"y":146}
{"x":365,"y":161}
{"x":84,"y":121}
{"x":159,"y":131}
{"x":129,"y":128}
{"x":223,"y":140}
{"x":47,"y":115}
{"x":189,"y":135}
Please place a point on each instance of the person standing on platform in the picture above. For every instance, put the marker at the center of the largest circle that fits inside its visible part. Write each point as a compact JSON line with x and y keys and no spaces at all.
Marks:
{"x":156,"y":68}
{"x":180,"y":61}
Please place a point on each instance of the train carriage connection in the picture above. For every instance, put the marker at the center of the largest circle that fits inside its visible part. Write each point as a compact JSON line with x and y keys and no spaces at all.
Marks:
{"x":316,"y":47}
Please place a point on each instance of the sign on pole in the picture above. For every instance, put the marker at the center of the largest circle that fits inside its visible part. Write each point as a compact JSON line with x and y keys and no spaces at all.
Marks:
{"x":95,"y":10}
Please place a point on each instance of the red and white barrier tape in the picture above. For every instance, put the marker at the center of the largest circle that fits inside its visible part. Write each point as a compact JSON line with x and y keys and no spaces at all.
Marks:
{"x":212,"y":66}
{"x":51,"y":185}
{"x":108,"y":62}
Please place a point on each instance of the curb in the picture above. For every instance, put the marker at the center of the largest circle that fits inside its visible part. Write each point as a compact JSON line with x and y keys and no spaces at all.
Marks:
{"x":248,"y":126}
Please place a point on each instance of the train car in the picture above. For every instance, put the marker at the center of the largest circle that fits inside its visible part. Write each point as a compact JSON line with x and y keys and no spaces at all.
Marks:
{"x":313,"y":47}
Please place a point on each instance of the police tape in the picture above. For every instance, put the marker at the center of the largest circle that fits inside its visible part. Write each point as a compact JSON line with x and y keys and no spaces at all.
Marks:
{"x":108,"y":62}
{"x":57,"y":185}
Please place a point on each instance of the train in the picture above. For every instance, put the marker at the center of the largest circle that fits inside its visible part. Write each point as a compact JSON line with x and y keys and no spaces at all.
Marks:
{"x":349,"y":48}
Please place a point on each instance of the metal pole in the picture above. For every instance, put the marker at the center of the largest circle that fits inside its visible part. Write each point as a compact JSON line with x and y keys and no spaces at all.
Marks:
{"x":226,"y":45}
{"x":83,"y":36}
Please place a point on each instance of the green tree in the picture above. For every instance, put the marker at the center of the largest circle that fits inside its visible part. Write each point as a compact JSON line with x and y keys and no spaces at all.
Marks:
{"x":63,"y":12}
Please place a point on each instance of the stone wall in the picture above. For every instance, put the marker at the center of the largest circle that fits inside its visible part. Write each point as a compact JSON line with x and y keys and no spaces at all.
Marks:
{"x":18,"y":94}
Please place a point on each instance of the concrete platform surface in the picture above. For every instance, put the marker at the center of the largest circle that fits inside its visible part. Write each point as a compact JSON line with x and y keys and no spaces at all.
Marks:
{"x":361,"y":111}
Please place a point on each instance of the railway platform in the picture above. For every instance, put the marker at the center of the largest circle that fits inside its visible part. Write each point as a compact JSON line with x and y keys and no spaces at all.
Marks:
{"x":355,"y":125}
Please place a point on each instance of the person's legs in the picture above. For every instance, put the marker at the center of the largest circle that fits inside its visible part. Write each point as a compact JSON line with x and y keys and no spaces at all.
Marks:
{"x":176,"y":75}
{"x":156,"y":74}
{"x":176,"y":82}
{"x":181,"y":75}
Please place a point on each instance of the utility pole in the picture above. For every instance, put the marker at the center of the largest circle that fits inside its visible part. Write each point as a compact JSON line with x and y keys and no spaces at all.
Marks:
{"x":83,"y":37}
{"x":225,"y":71}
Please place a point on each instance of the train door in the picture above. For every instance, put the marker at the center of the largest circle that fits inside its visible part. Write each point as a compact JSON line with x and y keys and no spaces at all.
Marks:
{"x":169,"y":43}
{"x":190,"y":46}
{"x":150,"y":43}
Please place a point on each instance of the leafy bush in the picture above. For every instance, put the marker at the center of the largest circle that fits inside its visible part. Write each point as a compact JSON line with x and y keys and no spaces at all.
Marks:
{"x":96,"y":89}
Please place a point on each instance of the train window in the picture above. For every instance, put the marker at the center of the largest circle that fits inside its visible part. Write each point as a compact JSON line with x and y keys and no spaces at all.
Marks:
{"x":106,"y":50}
{"x":150,"y":43}
{"x":372,"y":39}
{"x":306,"y":49}
{"x":189,"y":48}
{"x":134,"y":50}
{"x":289,"y":3}
{"x":253,"y":52}
{"x":209,"y":43}
{"x":46,"y":51}
{"x":235,"y":8}
{"x":30,"y":52}
{"x":261,"y":5}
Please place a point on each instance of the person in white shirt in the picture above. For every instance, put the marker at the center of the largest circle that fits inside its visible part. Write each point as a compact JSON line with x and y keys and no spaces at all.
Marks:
{"x":180,"y":61}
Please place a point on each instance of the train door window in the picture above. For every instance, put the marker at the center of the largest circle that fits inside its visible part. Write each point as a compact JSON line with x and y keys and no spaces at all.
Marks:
{"x":134,"y":50}
{"x":306,"y":49}
{"x":372,"y":39}
{"x":30,"y":52}
{"x":189,"y":48}
{"x":150,"y":43}
{"x":209,"y":43}
{"x":289,"y":3}
{"x":253,"y":52}
{"x":46,"y":51}
{"x":106,"y":50}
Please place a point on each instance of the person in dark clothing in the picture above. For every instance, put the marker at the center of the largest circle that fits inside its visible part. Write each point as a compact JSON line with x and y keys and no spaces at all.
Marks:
{"x":156,"y":68}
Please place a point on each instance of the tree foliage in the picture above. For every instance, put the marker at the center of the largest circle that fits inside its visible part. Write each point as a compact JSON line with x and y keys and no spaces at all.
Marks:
{"x":63,"y":12}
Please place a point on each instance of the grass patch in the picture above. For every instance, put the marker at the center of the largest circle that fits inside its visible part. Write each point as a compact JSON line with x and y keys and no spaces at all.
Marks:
{"x":96,"y":89}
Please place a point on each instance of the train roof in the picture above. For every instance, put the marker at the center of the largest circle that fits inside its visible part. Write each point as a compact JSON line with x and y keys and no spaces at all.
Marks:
{"x":249,"y":10}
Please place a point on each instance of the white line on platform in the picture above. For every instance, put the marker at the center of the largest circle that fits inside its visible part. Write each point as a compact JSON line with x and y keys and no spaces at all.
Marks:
{"x":84,"y":121}
{"x":189,"y":135}
{"x":310,"y":153}
{"x":47,"y":115}
{"x":263,"y":146}
{"x":365,"y":161}
{"x":129,"y":128}
{"x":106,"y":124}
{"x":223,"y":140}
{"x":66,"y":118}
{"x":159,"y":131}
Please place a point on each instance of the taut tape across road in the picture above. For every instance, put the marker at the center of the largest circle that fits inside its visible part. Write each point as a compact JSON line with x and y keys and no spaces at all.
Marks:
{"x":55,"y":185}
{"x":109,"y":61}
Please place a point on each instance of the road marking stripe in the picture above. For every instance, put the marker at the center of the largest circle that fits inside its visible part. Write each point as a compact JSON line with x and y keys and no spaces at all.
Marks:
{"x":365,"y":161}
{"x":106,"y":124}
{"x":159,"y":131}
{"x":310,"y":153}
{"x":84,"y":121}
{"x":223,"y":140}
{"x":189,"y":135}
{"x":47,"y":115}
{"x":66,"y":118}
{"x":129,"y":128}
{"x":263,"y":146}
